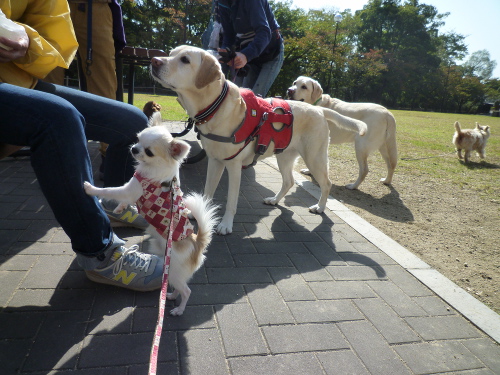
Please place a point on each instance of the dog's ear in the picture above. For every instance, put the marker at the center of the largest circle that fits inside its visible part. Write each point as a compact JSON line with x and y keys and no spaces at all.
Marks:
{"x":317,"y":90}
{"x":208,"y":72}
{"x":179,"y":149}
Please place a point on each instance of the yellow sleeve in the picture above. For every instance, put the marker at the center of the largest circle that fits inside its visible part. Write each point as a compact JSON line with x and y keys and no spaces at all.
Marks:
{"x":52,"y":41}
{"x":52,"y":38}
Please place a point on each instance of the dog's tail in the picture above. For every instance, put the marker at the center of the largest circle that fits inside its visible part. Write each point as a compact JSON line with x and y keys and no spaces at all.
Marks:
{"x":344,"y":122}
{"x":204,"y":211}
{"x":458,"y":129}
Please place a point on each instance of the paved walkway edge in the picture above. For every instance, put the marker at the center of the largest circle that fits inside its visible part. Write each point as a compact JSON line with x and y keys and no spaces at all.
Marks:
{"x":474,"y":310}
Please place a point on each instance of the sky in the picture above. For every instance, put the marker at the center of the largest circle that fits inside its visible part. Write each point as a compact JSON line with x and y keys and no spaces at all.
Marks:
{"x":478,"y":21}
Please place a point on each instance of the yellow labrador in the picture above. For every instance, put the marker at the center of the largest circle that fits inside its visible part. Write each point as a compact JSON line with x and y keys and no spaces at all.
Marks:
{"x":381,"y":133}
{"x":196,"y":76}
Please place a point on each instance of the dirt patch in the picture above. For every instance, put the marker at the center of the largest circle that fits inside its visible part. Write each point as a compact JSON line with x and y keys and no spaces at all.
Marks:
{"x":453,"y":229}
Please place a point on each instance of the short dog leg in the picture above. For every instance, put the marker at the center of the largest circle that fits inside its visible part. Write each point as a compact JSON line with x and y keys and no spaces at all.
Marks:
{"x":185,"y":292}
{"x":214,"y":173}
{"x":467,"y":156}
{"x":234,"y":176}
{"x":316,"y":158}
{"x":363,"y":170}
{"x":390,"y":155}
{"x":173,"y":296}
{"x":285,"y":165}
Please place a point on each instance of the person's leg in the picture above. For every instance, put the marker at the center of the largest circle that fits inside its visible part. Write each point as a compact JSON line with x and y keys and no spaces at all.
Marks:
{"x":268,"y":73}
{"x":102,"y":78}
{"x":54,"y":130}
{"x":252,"y":73}
{"x":109,"y":121}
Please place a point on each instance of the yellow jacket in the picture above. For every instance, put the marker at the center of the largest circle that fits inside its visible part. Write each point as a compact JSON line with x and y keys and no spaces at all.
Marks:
{"x":52,"y":39}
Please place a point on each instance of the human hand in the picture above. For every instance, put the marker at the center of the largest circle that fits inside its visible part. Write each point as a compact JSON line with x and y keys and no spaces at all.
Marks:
{"x":240,"y":60}
{"x":18,"y":50}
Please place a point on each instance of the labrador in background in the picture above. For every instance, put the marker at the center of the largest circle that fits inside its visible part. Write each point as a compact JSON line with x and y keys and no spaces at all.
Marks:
{"x":381,"y":127}
{"x":196,"y":76}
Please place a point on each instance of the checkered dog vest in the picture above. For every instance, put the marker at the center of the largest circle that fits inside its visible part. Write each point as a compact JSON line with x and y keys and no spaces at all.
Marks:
{"x":158,"y":209}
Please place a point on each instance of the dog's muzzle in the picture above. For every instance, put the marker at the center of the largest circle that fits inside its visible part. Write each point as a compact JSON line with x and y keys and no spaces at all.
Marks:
{"x":290,"y":93}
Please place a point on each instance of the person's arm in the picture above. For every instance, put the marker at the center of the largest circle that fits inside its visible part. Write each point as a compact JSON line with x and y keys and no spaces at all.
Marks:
{"x":256,"y":13}
{"x":52,"y":40}
{"x":224,"y":14}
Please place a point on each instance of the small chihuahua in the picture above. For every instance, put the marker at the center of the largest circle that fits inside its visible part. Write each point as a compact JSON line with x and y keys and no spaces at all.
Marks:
{"x":471,"y":140}
{"x":155,"y":189}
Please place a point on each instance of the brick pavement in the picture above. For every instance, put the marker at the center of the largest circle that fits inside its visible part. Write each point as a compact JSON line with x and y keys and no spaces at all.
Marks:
{"x":288,"y":292}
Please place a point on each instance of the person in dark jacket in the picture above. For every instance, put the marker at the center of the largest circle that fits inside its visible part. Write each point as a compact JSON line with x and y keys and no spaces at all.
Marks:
{"x":250,"y":28}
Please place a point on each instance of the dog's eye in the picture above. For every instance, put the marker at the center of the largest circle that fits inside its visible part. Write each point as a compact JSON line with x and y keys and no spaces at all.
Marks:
{"x":185,"y":60}
{"x":148,"y":152}
{"x":304,"y":87}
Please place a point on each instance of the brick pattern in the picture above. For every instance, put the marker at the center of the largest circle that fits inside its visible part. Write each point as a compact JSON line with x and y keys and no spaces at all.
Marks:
{"x":288,"y":292}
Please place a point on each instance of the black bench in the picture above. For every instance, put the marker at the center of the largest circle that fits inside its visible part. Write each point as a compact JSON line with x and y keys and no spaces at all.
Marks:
{"x":132,"y":56}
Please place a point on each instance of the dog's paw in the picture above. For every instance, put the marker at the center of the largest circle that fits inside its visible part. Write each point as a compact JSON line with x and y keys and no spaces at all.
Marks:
{"x":119,"y":209}
{"x":385,"y":181}
{"x":224,"y":229}
{"x":351,"y":186}
{"x":305,"y":171}
{"x":177,"y":311}
{"x":316,"y":209}
{"x":271,"y":201}
{"x":89,"y":188}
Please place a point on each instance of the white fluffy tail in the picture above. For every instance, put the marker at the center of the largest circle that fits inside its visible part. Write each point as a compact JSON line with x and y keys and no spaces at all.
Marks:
{"x":457,"y":127}
{"x":205,"y":213}
{"x":344,"y":122}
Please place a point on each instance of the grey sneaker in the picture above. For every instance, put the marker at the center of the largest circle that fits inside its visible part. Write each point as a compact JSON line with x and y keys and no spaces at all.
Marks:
{"x":129,"y":217}
{"x":131,"y":269}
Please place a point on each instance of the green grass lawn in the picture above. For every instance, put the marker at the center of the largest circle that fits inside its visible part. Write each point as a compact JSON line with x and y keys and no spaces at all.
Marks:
{"x":171,"y":110}
{"x":425,"y":151}
{"x":424,"y":146}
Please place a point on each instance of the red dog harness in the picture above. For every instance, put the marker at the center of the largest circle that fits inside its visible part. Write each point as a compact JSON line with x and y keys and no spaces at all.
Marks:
{"x":257,"y":124}
{"x":158,"y":209}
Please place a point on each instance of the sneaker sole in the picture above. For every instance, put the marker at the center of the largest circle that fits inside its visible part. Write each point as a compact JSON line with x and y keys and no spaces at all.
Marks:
{"x":104,"y":280}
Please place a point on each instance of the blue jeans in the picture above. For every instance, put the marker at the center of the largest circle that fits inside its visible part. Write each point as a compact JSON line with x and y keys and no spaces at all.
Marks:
{"x":56,"y":121}
{"x":259,"y":79}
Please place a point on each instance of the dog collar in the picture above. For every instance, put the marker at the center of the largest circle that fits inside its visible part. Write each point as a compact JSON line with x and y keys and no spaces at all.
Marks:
{"x":317,"y":101}
{"x":205,"y":115}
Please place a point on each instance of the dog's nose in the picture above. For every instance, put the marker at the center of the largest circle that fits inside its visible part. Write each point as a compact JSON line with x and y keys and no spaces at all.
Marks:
{"x":134,"y":150}
{"x":156,"y":62}
{"x":290,"y":93}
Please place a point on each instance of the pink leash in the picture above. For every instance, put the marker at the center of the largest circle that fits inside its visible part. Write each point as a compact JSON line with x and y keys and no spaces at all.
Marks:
{"x":153,"y":359}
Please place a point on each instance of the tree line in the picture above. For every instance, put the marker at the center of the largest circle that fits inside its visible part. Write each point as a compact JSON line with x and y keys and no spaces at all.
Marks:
{"x":391,"y":52}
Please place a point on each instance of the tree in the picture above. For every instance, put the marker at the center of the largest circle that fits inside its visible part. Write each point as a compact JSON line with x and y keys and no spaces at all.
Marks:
{"x":480,"y":65}
{"x":390,"y":52}
{"x":406,"y":34}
